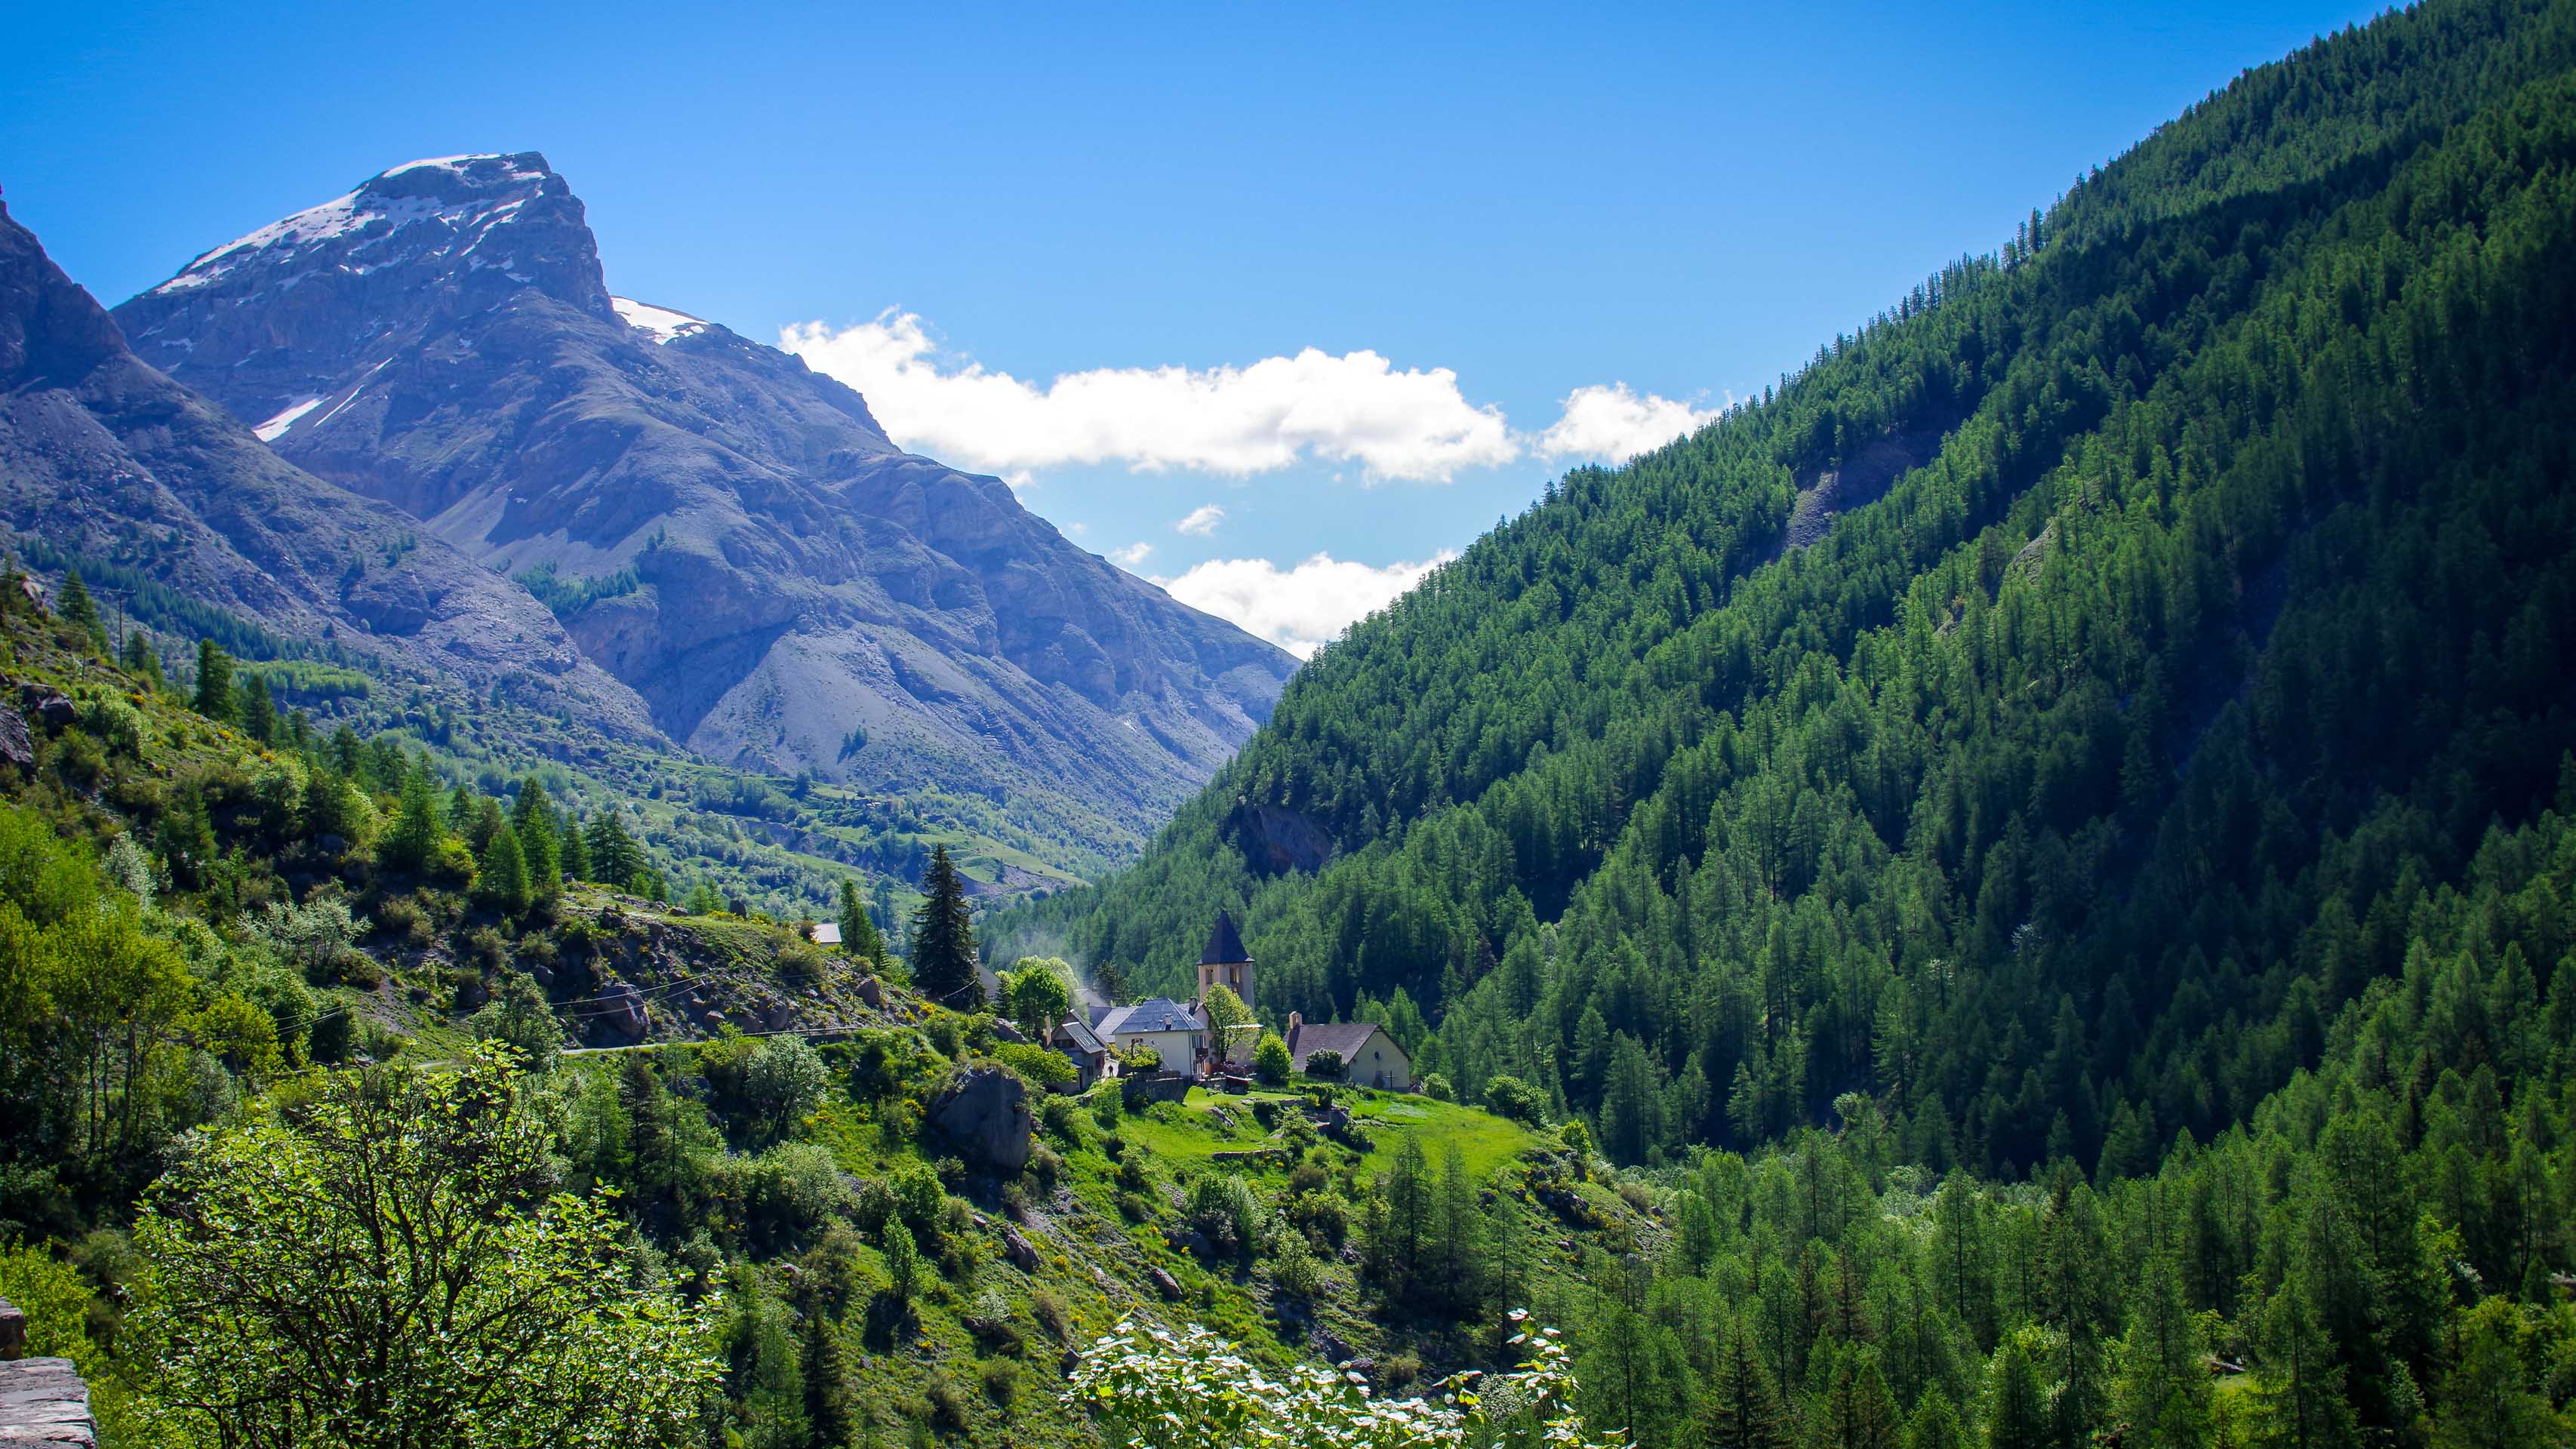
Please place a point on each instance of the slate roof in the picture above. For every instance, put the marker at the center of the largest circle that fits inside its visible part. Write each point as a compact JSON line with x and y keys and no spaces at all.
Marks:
{"x":1077,"y":1034}
{"x":1224,"y":944}
{"x":1344,"y":1038}
{"x":1159,"y":1014}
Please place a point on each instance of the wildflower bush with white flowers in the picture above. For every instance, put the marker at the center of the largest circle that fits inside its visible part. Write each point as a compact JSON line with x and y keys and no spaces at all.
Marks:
{"x":1156,"y":1389}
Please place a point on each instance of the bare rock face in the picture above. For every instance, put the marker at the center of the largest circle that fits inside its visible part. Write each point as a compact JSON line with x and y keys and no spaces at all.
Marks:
{"x":105,"y":457}
{"x":622,"y":1010}
{"x":782,"y":584}
{"x":984,"y":1113}
{"x":17,"y":746}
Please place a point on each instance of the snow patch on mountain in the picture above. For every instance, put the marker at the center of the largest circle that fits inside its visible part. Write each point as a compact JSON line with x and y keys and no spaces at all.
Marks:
{"x":661,"y":323}
{"x":375,"y":221}
{"x":275,"y":428}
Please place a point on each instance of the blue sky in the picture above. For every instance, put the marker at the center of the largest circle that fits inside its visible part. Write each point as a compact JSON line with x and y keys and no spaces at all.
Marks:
{"x":1092,"y":251}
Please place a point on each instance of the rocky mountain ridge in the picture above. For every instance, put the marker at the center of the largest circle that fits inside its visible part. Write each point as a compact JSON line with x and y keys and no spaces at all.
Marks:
{"x":726,"y":531}
{"x":102,"y":456}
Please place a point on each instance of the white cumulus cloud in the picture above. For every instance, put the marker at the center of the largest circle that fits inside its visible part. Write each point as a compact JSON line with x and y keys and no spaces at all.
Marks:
{"x":1300,"y":608}
{"x":1357,"y":408}
{"x":1615,"y":423}
{"x":1202,"y":520}
{"x":1130,"y":556}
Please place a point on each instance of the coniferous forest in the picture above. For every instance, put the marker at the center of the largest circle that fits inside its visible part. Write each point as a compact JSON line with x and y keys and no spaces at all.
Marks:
{"x":2139,"y":842}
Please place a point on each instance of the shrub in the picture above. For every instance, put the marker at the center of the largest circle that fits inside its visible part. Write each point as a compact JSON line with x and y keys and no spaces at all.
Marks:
{"x":1036,"y":1065}
{"x":1047,"y":1166}
{"x":944,"y":1402}
{"x":1048,"y":1309}
{"x":1324,"y":1066}
{"x":1437,"y":1088}
{"x":1270,"y":1059}
{"x":1058,"y":1117}
{"x":1294,"y":1269}
{"x":1133,"y":1206}
{"x":1511,"y":1097}
{"x":1001,"y":1380}
{"x":1225,"y":1210}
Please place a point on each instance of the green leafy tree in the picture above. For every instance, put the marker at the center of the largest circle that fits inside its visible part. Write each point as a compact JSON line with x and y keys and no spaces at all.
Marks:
{"x":1037,"y":993}
{"x":417,"y":833}
{"x":614,"y":857}
{"x":943,"y":939}
{"x":1270,"y":1060}
{"x":2017,"y":1415}
{"x":493,"y":1311}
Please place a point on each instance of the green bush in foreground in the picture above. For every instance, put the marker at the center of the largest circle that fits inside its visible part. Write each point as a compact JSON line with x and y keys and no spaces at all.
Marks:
{"x":386,"y":1263}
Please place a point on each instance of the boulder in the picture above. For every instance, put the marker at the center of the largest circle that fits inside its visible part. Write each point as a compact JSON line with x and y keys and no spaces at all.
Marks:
{"x":1009,"y":1030}
{"x":984,"y":1113}
{"x":621,"y":1009}
{"x":1165,"y":1283}
{"x":16,"y":745}
{"x":53,"y":708}
{"x":872,"y":991}
{"x":13,"y":1329}
{"x":1023,"y":1255}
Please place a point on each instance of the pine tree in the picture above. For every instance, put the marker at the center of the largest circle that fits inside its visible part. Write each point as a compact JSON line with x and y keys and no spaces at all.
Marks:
{"x":2163,"y":1392}
{"x":858,"y":933}
{"x":1935,"y":1423}
{"x":76,"y":608}
{"x":2298,"y":1382}
{"x":257,"y":711}
{"x":830,"y":1405}
{"x":501,"y":874}
{"x":413,"y":841}
{"x":576,"y":850}
{"x":1859,"y":1412}
{"x":943,"y":939}
{"x":214,"y":682}
{"x":2017,"y":1414}
{"x":533,"y":818}
{"x":1743,"y":1407}
{"x":139,"y":660}
{"x":616,"y":860}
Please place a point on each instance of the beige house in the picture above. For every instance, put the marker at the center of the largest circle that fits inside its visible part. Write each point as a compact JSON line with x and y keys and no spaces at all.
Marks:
{"x":1370,"y":1058}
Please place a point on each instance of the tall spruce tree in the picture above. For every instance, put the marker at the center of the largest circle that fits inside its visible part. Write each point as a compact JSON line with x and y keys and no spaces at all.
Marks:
{"x":75,"y":607}
{"x":214,"y":682}
{"x":943,"y":937}
{"x":532,"y":816}
{"x":859,"y":938}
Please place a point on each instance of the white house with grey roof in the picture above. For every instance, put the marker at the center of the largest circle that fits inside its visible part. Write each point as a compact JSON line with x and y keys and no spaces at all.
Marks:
{"x":1174,"y":1031}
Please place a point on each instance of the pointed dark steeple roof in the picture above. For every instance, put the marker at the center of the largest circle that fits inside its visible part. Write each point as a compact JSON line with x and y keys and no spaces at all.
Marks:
{"x":1225,"y":944}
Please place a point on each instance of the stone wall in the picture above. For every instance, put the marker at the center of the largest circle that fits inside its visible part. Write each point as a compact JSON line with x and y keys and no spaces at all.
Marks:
{"x":42,"y":1400}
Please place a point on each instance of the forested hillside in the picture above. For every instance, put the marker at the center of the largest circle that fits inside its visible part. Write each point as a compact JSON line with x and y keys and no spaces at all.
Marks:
{"x":2068,"y":795}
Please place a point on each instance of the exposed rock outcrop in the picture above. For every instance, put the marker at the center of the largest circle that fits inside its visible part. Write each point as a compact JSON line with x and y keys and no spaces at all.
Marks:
{"x":984,"y":1113}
